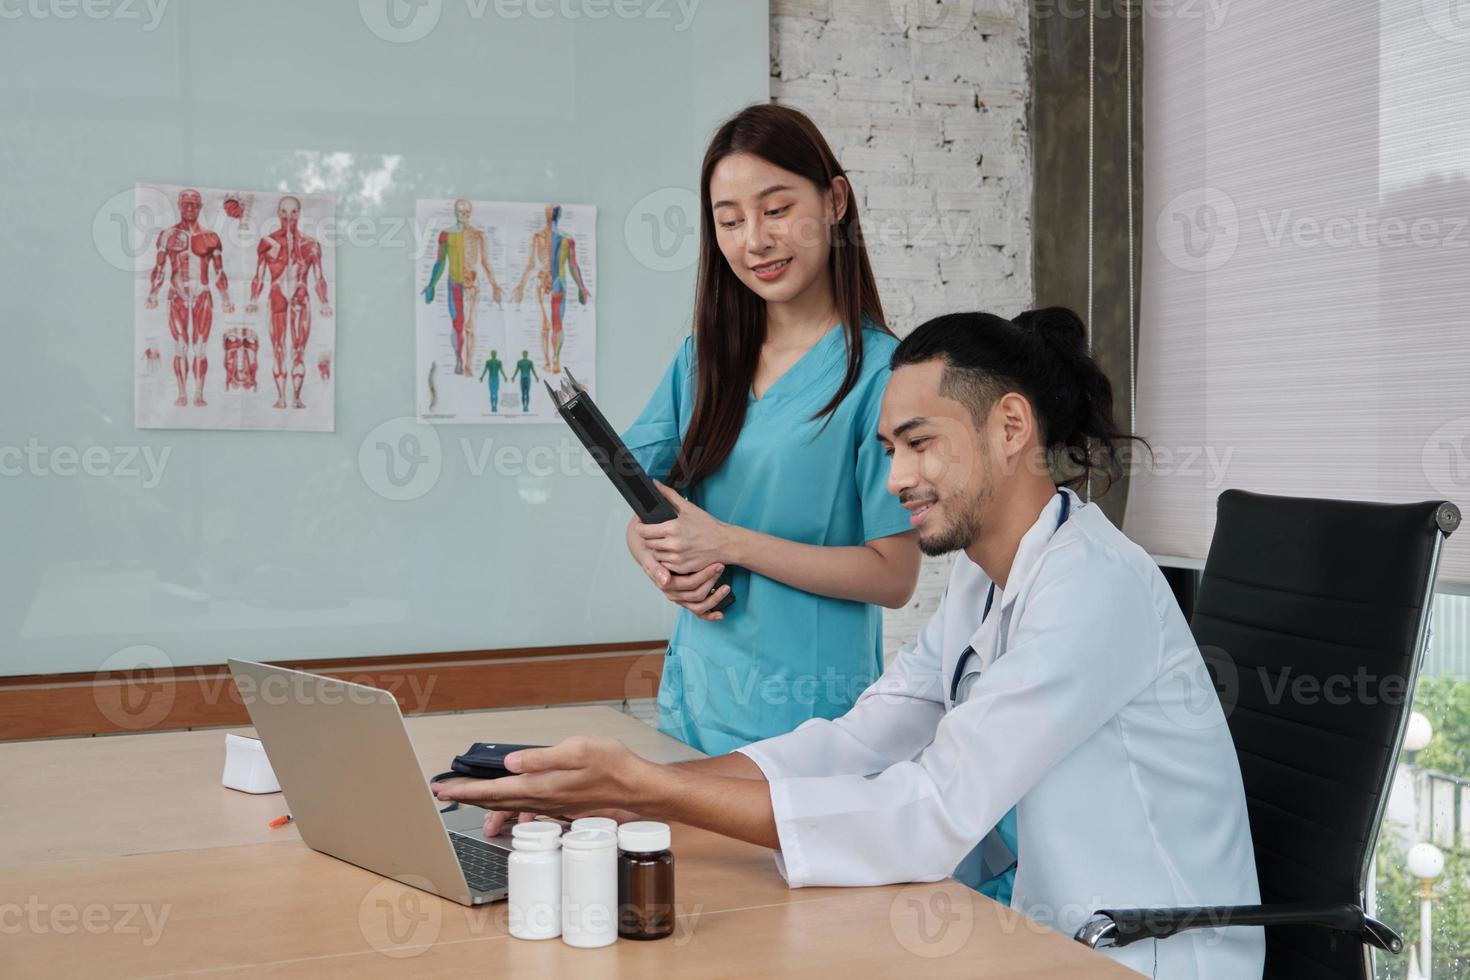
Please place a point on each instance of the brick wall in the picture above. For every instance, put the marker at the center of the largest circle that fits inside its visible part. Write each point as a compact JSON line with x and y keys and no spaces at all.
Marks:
{"x":925,"y":104}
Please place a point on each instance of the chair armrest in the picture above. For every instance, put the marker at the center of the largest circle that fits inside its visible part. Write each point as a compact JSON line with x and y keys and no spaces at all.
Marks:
{"x":1121,"y":927}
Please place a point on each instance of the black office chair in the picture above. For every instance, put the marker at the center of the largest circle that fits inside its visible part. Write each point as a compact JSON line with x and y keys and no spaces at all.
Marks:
{"x":1324,"y":589}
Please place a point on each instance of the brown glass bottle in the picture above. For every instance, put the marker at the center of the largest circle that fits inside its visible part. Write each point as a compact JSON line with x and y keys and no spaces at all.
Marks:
{"x":645,"y":881}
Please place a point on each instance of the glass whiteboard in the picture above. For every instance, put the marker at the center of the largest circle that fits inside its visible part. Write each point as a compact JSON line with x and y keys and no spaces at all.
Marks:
{"x":208,"y":544}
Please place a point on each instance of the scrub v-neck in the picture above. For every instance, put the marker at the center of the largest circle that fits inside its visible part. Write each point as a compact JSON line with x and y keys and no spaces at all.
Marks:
{"x":801,"y":361}
{"x":794,"y":474}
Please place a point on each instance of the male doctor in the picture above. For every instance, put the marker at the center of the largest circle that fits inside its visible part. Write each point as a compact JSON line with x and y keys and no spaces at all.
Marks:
{"x":1053,"y":716}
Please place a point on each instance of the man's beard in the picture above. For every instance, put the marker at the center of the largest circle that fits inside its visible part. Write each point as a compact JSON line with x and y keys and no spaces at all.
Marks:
{"x":962,"y":528}
{"x":964,"y":523}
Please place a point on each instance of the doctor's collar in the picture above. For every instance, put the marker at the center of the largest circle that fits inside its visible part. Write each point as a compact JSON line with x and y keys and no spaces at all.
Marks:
{"x":1033,"y":544}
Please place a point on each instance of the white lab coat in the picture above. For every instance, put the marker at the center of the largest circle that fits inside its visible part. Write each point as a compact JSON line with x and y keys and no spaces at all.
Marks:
{"x":1086,"y":706}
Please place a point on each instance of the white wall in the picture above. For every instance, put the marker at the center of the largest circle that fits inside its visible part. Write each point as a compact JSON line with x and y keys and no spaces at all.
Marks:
{"x":925,"y":104}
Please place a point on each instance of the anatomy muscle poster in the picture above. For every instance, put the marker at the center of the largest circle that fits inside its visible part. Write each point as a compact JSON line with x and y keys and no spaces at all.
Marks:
{"x":232,"y":309}
{"x":505,"y":295}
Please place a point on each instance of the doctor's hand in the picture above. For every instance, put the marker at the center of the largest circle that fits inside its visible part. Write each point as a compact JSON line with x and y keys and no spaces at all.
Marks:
{"x":577,"y":775}
{"x":692,"y":591}
{"x":692,"y":541}
{"x":496,"y":820}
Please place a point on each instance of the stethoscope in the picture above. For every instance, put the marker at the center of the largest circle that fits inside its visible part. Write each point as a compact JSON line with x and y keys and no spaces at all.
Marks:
{"x":968,"y":652}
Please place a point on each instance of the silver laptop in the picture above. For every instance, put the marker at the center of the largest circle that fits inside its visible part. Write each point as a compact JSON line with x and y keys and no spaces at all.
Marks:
{"x":355,"y":789}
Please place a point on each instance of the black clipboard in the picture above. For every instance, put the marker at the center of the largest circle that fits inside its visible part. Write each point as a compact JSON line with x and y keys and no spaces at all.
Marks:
{"x":617,"y":462}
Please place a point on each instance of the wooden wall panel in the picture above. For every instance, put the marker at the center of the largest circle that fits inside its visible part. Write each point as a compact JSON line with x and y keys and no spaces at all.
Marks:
{"x":40,"y":706}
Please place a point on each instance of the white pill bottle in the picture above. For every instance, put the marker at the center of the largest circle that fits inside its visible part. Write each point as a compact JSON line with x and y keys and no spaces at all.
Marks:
{"x":534,"y":880}
{"x":589,"y":888}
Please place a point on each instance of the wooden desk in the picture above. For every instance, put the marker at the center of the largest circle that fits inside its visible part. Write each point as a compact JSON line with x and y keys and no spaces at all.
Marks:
{"x":123,"y":856}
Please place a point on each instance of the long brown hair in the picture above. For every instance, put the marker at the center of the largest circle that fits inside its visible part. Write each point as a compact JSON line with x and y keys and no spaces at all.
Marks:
{"x":730,"y":320}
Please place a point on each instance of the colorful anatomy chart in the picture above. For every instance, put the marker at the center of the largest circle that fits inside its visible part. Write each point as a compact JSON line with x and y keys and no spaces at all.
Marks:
{"x":505,"y":295}
{"x":232,"y":309}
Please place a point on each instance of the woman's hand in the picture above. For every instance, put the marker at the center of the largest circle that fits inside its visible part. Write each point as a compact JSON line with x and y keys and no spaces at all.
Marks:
{"x":645,"y":557}
{"x":699,"y":593}
{"x":689,"y":543}
{"x":690,"y":591}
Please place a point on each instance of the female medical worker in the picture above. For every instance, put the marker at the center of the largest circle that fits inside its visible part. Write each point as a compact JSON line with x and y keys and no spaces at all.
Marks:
{"x":766,"y":421}
{"x":1057,"y":677}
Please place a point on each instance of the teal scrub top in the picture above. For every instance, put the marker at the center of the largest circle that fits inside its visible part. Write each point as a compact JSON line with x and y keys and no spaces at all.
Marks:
{"x":780,"y":656}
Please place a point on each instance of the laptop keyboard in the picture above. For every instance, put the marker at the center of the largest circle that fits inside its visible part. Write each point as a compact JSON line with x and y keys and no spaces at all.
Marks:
{"x":484,"y":866}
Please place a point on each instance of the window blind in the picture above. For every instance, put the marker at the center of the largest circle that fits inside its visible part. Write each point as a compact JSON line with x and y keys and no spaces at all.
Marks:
{"x":1306,"y":265}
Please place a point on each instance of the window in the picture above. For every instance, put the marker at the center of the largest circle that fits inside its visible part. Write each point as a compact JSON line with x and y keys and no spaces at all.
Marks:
{"x":1430,"y":803}
{"x":1305,"y":325}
